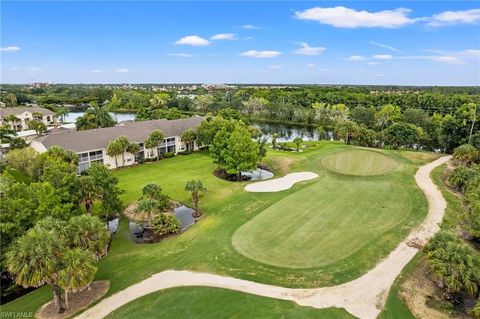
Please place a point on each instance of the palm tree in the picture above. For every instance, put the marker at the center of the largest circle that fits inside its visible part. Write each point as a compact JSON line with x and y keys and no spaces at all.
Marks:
{"x":88,"y":232}
{"x":153,"y":140}
{"x":274,"y":140}
{"x":78,"y":271}
{"x":62,"y":112}
{"x":35,"y":259}
{"x":88,"y":192}
{"x":12,"y":118}
{"x":195,"y":187}
{"x":123,"y":144}
{"x":6,"y":134}
{"x":95,"y":117}
{"x":148,"y":206}
{"x":133,"y":148}
{"x":189,"y":137}
{"x":114,"y":149}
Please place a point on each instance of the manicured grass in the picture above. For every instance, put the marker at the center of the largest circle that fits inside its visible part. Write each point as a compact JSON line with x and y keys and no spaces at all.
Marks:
{"x":324,"y":223}
{"x":207,"y":246}
{"x":203,"y":302}
{"x":359,"y":162}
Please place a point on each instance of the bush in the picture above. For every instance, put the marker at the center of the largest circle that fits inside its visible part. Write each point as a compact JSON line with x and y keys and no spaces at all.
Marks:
{"x":168,"y":155}
{"x":185,"y":153}
{"x":166,"y":224}
{"x":141,"y":161}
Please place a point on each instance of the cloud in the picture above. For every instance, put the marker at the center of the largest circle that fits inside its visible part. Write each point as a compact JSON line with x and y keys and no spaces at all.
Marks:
{"x":356,"y":58}
{"x":446,"y":18}
{"x":382,"y":56}
{"x":250,"y":27}
{"x":181,"y":55}
{"x":224,"y":36}
{"x":96,"y":71}
{"x":450,"y":59}
{"x":261,"y":54}
{"x":122,"y":70}
{"x":373,"y":63}
{"x":470,"y":52}
{"x":276,"y":67}
{"x":311,"y":65}
{"x":342,"y":17}
{"x":308,"y":50}
{"x":194,"y":40}
{"x":381,"y":45}
{"x":10,"y":49}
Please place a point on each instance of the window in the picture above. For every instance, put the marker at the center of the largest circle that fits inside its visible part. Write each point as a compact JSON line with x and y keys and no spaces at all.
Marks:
{"x":83,"y":157}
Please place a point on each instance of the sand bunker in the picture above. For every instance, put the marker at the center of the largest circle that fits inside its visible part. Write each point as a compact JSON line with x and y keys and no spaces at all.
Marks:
{"x":280,"y":184}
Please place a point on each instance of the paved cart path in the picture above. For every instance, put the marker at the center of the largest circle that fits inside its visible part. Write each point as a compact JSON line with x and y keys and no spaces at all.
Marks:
{"x":363,"y":297}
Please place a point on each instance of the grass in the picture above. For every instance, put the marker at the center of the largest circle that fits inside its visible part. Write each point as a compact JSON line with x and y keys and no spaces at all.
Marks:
{"x":203,"y":302}
{"x":359,"y":162}
{"x":309,"y":227}
{"x":207,"y":246}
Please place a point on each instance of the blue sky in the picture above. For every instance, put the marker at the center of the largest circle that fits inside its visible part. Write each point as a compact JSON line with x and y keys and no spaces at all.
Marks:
{"x":383,"y":42}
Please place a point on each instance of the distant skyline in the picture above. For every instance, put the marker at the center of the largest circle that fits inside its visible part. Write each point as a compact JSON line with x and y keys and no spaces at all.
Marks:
{"x":324,"y":42}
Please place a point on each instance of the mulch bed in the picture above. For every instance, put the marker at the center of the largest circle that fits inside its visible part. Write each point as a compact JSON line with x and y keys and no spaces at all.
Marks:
{"x":77,"y":301}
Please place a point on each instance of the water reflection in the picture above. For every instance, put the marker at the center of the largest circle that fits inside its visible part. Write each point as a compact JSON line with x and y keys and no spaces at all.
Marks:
{"x":286,"y":132}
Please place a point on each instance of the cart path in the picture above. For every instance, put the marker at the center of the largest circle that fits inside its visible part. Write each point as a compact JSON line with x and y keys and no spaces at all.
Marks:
{"x":363,"y":297}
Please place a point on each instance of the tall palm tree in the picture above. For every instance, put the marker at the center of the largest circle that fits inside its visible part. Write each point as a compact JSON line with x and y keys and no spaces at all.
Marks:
{"x":95,"y":117}
{"x":133,"y":148}
{"x":62,"y":112}
{"x":78,"y":271}
{"x":189,"y":137}
{"x":148,"y":206}
{"x":123,"y":144}
{"x":12,"y":118}
{"x":88,"y":192}
{"x":274,"y":140}
{"x":114,"y":149}
{"x":89,"y":233}
{"x":195,"y":187}
{"x":153,"y":140}
{"x":35,"y":259}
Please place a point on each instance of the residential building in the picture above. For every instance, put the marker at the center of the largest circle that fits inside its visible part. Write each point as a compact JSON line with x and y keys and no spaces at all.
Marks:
{"x":91,"y":145}
{"x":19,"y":117}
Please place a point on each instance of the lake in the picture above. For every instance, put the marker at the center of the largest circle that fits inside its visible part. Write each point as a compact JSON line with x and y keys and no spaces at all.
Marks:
{"x":286,"y":132}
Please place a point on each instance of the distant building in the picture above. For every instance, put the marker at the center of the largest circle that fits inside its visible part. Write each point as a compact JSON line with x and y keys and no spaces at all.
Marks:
{"x":19,"y":117}
{"x":91,"y":145}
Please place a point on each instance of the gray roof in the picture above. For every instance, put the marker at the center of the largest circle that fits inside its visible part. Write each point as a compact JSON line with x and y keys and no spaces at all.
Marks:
{"x":6,"y":111}
{"x":80,"y":141}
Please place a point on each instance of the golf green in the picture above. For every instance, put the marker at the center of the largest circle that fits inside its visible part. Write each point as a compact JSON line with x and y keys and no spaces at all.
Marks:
{"x":359,"y":162}
{"x":323,"y":223}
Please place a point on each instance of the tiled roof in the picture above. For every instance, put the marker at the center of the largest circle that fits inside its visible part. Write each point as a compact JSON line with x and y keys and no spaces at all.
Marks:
{"x":6,"y":111}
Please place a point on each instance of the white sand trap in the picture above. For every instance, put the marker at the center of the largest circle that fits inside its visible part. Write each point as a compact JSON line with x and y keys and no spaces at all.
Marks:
{"x":280,"y":184}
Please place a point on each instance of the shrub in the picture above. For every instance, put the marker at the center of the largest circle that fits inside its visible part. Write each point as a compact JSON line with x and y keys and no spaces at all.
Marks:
{"x":185,"y":153}
{"x":166,"y":224}
{"x":461,"y":176}
{"x":168,"y":155}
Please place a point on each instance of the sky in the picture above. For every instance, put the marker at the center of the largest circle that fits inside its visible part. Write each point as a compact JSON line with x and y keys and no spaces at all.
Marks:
{"x":278,"y":42}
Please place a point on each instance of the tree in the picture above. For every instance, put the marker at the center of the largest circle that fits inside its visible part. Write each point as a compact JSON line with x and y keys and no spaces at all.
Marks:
{"x":149,"y":206}
{"x":38,"y":126}
{"x":469,"y":113}
{"x":78,"y":271}
{"x":454,"y":263}
{"x":297,"y":141}
{"x":133,"y":148}
{"x":402,"y":134}
{"x":262,"y":148}
{"x":88,"y":233}
{"x":10,"y":100}
{"x":387,"y":115}
{"x":203,"y":102}
{"x":476,"y":309}
{"x":95,"y":117}
{"x":348,"y":130}
{"x":466,"y":153}
{"x":195,"y":187}
{"x":189,"y":137}
{"x":153,"y":140}
{"x":254,"y":105}
{"x":114,"y":149}
{"x":123,"y":144}
{"x":236,"y":151}
{"x":87,"y":192}
{"x":159,"y":101}
{"x":35,"y":259}
{"x":12,"y":119}
{"x":166,"y":224}
{"x":274,"y":140}
{"x":6,"y":134}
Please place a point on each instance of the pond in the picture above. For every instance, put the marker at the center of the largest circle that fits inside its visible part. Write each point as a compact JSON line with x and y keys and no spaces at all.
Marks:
{"x":258,"y":174}
{"x":120,"y":117}
{"x":286,"y":132}
{"x":183,"y":213}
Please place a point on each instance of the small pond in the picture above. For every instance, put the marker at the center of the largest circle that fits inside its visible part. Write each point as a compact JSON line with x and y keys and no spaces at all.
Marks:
{"x":183,"y":213}
{"x":258,"y":174}
{"x":286,"y":132}
{"x":120,"y":117}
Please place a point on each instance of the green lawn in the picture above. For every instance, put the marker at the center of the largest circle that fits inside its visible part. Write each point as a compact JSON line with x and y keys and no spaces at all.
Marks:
{"x":203,"y":302}
{"x":207,"y":246}
{"x":359,"y":162}
{"x":324,"y":223}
